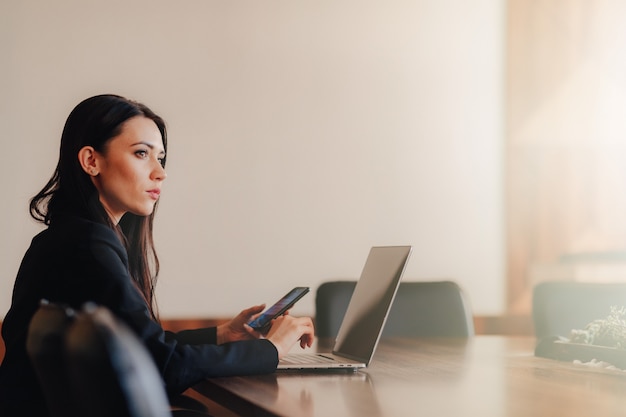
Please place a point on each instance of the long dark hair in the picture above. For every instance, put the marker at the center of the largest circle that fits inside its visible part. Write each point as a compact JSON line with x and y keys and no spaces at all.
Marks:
{"x":94,"y":122}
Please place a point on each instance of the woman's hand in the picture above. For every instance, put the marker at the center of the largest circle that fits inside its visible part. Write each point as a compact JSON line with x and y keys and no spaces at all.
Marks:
{"x":284,"y":332}
{"x":237,"y":328}
{"x":287,"y":330}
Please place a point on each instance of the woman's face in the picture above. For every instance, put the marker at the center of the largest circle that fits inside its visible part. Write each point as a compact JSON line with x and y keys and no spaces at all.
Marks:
{"x":129,"y":171}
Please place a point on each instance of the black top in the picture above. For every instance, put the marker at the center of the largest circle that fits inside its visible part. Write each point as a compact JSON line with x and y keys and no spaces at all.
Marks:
{"x":75,"y":261}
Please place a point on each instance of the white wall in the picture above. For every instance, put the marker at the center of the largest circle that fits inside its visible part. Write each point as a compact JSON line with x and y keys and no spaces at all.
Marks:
{"x":301,"y":134}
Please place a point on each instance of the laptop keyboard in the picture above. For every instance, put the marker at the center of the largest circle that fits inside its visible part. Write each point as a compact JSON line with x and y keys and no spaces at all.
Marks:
{"x":306,"y":359}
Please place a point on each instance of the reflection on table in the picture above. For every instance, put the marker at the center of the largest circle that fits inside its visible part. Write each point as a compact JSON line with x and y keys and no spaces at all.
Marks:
{"x":482,"y":376}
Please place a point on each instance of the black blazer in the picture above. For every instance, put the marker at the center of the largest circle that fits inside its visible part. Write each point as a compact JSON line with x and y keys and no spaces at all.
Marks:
{"x":75,"y":261}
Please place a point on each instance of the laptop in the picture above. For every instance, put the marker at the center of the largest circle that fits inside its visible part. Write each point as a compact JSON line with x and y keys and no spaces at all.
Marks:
{"x":365,"y":317}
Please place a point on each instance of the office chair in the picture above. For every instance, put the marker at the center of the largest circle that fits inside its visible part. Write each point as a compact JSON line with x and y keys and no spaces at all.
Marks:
{"x":558,"y":307}
{"x":420,"y":309}
{"x":110,"y":371}
{"x":46,"y":349}
{"x":90,"y":364}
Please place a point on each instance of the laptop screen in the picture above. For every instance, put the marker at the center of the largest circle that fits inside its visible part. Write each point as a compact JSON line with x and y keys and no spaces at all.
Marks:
{"x":370,"y":303}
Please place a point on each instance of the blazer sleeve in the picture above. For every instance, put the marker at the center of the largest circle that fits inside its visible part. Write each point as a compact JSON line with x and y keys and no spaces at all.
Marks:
{"x":194,"y":337}
{"x":182,"y":359}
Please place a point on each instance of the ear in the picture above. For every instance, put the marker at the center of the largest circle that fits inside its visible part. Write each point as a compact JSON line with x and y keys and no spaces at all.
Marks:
{"x":88,"y":160}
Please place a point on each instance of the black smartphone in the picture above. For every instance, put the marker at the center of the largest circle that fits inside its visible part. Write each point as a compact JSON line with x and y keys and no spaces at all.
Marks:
{"x":279,"y":308}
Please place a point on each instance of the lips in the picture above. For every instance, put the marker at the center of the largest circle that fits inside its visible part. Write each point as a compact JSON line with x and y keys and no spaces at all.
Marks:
{"x":154,"y":194}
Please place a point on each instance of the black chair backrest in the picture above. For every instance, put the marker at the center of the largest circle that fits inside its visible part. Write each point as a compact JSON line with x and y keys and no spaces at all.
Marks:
{"x":420,"y":309}
{"x":45,"y":344}
{"x":111,"y":372}
{"x":562,"y":306}
{"x":89,"y":364}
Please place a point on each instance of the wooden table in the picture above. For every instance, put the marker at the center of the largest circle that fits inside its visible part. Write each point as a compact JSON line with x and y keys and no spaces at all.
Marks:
{"x":482,"y":377}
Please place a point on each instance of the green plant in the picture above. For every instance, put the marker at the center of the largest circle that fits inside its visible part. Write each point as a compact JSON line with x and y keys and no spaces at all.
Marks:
{"x":610,"y":331}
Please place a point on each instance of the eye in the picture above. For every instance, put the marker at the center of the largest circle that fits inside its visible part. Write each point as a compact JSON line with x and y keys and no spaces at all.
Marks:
{"x":142,"y":153}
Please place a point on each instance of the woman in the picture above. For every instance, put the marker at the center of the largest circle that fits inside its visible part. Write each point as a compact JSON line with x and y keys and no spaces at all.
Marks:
{"x":99,"y":207}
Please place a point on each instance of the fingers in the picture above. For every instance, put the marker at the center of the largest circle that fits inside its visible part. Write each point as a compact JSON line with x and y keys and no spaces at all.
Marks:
{"x":306,"y":340}
{"x":237,"y":328}
{"x":254,"y":333}
{"x":249,"y":314}
{"x":287,"y":331}
{"x":251,"y":311}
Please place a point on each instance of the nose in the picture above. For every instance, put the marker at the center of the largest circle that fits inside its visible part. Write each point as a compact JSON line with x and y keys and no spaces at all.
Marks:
{"x":158,"y":173}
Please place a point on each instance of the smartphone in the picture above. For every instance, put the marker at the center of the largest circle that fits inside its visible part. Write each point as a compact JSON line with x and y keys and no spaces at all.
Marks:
{"x":279,"y":308}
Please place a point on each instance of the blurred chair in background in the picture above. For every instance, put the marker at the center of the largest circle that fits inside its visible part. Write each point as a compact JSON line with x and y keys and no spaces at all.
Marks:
{"x":561,"y":306}
{"x":420,"y":309}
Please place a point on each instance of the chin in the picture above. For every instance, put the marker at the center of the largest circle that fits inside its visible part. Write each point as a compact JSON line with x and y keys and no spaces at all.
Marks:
{"x":145,"y":210}
{"x":142,"y":213}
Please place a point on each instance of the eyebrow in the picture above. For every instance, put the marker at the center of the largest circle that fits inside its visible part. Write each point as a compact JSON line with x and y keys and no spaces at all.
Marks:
{"x":149,"y":145}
